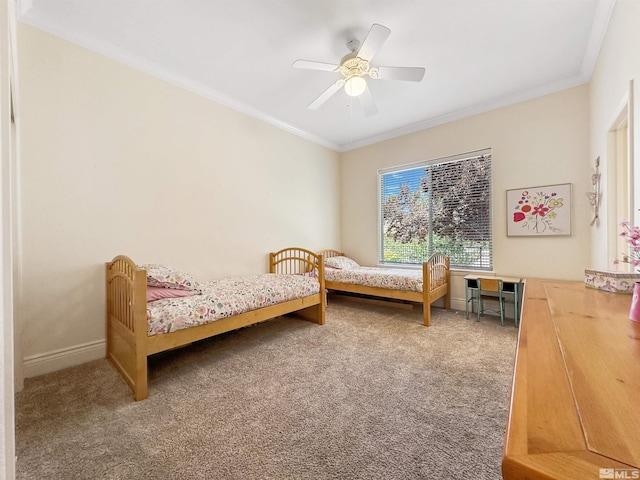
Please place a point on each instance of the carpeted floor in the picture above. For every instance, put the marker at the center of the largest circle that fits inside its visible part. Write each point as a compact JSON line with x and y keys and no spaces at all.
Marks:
{"x":373,"y":394}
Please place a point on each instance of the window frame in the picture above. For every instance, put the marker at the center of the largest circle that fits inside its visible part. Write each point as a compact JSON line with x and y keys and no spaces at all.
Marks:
{"x":425,"y":163}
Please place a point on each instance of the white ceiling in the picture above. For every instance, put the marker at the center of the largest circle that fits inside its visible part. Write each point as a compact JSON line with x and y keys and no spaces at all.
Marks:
{"x":478,"y":54}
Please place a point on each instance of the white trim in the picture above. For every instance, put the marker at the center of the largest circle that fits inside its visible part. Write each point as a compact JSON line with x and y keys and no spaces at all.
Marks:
{"x":604,"y":10}
{"x":633,"y":207}
{"x":7,"y":360}
{"x":24,"y":6}
{"x":618,"y":119}
{"x":457,"y":303}
{"x":635,"y":98}
{"x":174,"y":78}
{"x":601,"y":18}
{"x":468,"y":112}
{"x":42,"y":363}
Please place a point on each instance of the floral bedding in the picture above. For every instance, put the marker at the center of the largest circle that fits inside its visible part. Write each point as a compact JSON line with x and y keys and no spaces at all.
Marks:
{"x":225,"y":298}
{"x":395,"y":278}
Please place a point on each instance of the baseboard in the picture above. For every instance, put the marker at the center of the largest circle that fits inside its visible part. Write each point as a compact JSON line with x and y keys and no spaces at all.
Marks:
{"x":42,"y":363}
{"x":457,"y":303}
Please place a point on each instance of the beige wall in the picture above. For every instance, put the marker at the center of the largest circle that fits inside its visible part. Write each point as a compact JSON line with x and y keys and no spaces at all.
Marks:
{"x":618,"y":64}
{"x":539,"y":142}
{"x":115,"y":161}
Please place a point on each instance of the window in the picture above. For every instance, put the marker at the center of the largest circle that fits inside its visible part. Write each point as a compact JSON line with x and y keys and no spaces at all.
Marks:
{"x":441,"y":205}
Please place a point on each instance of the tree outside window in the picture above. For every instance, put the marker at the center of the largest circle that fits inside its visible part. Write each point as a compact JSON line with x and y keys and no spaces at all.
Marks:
{"x":440,"y":206}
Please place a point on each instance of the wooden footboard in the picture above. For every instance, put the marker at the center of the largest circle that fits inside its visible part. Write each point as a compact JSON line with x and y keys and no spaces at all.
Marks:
{"x":436,"y":278}
{"x":435,"y":285}
{"x":299,"y":261}
{"x":128,"y":345}
{"x":126,"y":302}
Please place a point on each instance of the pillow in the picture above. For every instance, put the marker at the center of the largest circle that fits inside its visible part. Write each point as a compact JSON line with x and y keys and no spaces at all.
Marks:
{"x":158,"y":293}
{"x":344,"y":263}
{"x":166,"y":277}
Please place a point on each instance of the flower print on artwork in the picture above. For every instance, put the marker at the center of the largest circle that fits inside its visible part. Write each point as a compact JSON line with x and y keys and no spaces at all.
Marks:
{"x":537,"y":210}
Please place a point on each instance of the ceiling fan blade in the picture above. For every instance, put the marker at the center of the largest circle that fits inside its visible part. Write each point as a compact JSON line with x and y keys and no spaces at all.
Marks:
{"x":411,"y":74}
{"x":366,"y":102}
{"x":311,"y":65}
{"x":373,"y":41}
{"x":324,"y":96}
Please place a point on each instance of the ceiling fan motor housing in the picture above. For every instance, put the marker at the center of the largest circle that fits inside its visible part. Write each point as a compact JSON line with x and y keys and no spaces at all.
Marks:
{"x":352,"y":66}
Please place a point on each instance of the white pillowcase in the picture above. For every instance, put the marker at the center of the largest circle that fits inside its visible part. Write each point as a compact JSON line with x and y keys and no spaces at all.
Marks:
{"x":343,"y":263}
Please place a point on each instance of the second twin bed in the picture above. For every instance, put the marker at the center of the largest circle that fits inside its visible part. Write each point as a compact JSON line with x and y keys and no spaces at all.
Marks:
{"x":424,"y":286}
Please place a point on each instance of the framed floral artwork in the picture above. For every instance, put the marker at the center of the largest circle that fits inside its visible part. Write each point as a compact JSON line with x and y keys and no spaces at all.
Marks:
{"x":539,"y":211}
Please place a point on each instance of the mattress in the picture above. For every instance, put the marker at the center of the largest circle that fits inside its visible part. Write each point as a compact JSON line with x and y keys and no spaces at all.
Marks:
{"x":225,"y":298}
{"x":394,"y":278}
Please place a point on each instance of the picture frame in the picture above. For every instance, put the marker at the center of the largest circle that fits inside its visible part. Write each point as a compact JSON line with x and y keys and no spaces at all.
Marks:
{"x":539,"y":211}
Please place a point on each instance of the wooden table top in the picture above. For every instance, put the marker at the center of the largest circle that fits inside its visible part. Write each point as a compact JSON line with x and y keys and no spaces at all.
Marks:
{"x":575,"y":401}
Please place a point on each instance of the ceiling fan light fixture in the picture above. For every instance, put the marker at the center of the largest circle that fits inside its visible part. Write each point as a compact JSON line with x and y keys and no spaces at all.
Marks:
{"x":355,"y":66}
{"x":355,"y":86}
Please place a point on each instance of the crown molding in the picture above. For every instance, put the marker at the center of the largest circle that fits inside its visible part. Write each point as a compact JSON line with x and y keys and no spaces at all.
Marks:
{"x":604,"y":10}
{"x":23,"y":6}
{"x":468,"y":112}
{"x":602,"y":16}
{"x":142,"y":64}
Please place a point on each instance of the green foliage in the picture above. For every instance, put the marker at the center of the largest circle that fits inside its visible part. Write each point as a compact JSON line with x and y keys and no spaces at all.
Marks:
{"x":463,"y":254}
{"x":451,"y":207}
{"x":413,"y":252}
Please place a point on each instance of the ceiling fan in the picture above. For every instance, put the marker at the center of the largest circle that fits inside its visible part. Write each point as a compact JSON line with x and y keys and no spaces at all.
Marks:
{"x":354,"y":66}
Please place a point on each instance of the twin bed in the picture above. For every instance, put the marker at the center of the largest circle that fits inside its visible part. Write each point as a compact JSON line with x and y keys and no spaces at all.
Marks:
{"x":153,"y":308}
{"x":421,"y":286}
{"x":138,"y":328}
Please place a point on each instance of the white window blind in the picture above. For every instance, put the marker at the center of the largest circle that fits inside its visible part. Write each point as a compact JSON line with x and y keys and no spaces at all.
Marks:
{"x":442,"y":205}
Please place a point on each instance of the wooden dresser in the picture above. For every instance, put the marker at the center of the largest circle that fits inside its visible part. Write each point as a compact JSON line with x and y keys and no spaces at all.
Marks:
{"x":575,"y":400}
